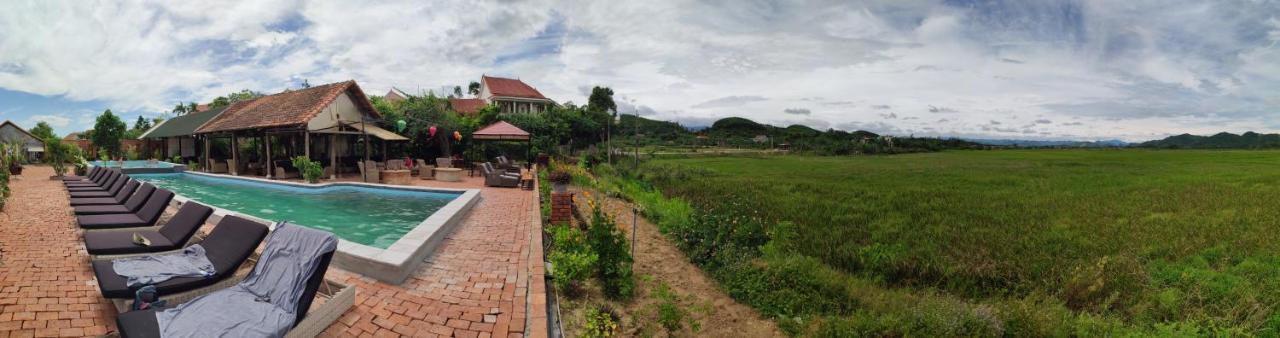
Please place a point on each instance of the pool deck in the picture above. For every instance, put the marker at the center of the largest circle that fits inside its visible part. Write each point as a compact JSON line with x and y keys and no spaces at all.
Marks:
{"x":484,"y":280}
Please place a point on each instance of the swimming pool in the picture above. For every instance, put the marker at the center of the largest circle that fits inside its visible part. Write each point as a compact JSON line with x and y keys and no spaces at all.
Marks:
{"x":141,"y":166}
{"x":371,"y":216}
{"x":132,"y":164}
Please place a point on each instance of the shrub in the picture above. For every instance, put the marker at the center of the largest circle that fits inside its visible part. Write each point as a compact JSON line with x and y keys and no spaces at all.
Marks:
{"x":613,"y":255}
{"x":311,"y":170}
{"x":571,"y":268}
{"x":670,"y":315}
{"x":570,"y":256}
{"x":560,"y":176}
{"x":601,"y":322}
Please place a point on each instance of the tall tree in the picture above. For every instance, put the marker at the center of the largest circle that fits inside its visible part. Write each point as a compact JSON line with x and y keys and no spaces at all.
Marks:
{"x":141,"y":124}
{"x":180,"y":109}
{"x":306,"y":84}
{"x":457,"y":91}
{"x":107,"y":132}
{"x":191,"y":108}
{"x":601,"y":100}
{"x":473,"y":88}
{"x":43,"y":131}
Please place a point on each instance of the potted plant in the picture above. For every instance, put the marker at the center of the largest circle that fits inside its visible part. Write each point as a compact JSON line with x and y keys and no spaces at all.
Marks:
{"x":311,"y":170}
{"x":559,"y":180}
{"x":15,"y":159}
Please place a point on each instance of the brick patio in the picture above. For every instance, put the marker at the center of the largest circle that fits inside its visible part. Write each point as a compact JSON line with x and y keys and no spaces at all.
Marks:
{"x":479,"y":282}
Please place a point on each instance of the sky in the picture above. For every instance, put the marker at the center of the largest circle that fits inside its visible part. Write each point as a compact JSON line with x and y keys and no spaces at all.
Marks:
{"x":1080,"y":70}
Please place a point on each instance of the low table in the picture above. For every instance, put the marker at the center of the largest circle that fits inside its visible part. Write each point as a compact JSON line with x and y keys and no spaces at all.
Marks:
{"x":449,"y":174}
{"x":400,"y":177}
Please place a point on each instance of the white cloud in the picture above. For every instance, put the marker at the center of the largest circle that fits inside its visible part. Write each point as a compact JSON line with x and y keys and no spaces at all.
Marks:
{"x":54,"y":121}
{"x":1190,"y":65}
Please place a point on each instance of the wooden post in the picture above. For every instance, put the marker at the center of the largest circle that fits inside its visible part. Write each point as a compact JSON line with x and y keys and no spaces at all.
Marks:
{"x":267,"y":139}
{"x":207,"y":164}
{"x":235,"y":155}
{"x":384,"y":151}
{"x":306,"y":143}
{"x":333,"y":156}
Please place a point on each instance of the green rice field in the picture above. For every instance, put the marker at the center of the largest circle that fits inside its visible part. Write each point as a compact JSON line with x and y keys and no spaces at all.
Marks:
{"x":1018,"y":242}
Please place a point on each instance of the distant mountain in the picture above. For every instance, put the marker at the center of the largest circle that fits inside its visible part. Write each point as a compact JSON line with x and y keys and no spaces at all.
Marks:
{"x":1248,"y":140}
{"x":1052,"y":144}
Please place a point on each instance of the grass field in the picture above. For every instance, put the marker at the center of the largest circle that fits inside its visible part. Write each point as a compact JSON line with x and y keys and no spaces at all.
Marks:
{"x":1035,"y":242}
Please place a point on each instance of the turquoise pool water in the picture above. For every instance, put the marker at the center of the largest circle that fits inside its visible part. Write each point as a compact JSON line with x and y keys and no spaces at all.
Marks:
{"x":371,"y":216}
{"x":132,"y":164}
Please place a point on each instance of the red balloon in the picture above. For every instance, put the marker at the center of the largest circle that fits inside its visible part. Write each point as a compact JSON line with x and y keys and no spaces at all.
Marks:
{"x":433,"y":131}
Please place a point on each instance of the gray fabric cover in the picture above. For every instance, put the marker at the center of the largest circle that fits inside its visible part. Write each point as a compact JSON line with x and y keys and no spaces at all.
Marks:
{"x":263,"y":304}
{"x":151,"y":269}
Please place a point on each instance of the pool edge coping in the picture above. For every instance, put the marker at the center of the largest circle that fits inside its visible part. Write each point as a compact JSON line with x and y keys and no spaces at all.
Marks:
{"x":393,"y":264}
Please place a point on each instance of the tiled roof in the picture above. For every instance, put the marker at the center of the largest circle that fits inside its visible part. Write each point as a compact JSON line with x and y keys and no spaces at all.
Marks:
{"x":510,"y":88}
{"x":184,"y":125}
{"x":289,"y":108}
{"x":466,"y":106}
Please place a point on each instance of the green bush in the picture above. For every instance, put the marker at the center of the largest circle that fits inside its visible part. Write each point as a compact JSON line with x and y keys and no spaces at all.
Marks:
{"x":570,"y":256}
{"x":613,"y":254}
{"x":311,"y":170}
{"x":600,"y":323}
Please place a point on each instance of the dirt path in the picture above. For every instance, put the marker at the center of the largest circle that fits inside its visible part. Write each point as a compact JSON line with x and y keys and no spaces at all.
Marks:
{"x":718,"y":315}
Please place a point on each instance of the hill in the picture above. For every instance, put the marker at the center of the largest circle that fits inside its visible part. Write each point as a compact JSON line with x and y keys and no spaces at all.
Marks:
{"x":1248,"y":140}
{"x":1052,"y":144}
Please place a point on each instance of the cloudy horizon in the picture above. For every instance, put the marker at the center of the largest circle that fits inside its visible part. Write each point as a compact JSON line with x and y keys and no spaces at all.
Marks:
{"x":1060,"y":70}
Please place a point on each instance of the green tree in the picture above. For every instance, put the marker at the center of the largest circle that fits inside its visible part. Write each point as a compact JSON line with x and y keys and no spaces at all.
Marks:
{"x":191,"y":107}
{"x":457,"y":91}
{"x":601,"y":109}
{"x":243,"y":95}
{"x":219,"y":102}
{"x":43,"y":131}
{"x":141,"y":124}
{"x":107,"y":132}
{"x":180,"y":109}
{"x":473,"y":88}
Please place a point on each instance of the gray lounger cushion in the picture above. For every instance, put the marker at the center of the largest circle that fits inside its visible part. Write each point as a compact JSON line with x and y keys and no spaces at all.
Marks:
{"x":228,"y":245}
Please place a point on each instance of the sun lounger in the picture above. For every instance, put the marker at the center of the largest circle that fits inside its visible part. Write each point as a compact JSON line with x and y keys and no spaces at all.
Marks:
{"x":73,"y":178}
{"x":95,"y":177}
{"x":119,"y":198}
{"x":107,"y":182}
{"x":172,"y":236}
{"x":131,"y":205}
{"x":110,"y":192}
{"x":228,"y":246}
{"x":145,"y":217}
{"x":273,"y":300}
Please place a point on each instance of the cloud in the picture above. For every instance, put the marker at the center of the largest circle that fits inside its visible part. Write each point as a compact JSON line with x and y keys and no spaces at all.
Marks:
{"x":1043,"y":121}
{"x":889,"y":116}
{"x":797,"y":111}
{"x":1138,"y":68}
{"x":729,"y":101}
{"x":1073,"y":124}
{"x":936,"y":110}
{"x":53,"y":120}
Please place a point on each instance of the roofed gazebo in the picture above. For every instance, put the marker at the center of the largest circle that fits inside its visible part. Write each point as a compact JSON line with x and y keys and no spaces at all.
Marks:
{"x":503,"y":131}
{"x":339,"y":110}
